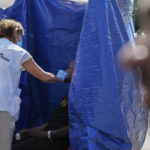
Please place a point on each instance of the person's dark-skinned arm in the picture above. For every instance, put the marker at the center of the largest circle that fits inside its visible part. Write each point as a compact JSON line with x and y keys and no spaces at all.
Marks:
{"x":58,"y":133}
{"x":25,"y":133}
{"x":69,"y":70}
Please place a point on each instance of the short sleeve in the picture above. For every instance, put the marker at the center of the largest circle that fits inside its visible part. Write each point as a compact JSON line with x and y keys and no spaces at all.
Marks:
{"x":25,"y":57}
{"x":18,"y":55}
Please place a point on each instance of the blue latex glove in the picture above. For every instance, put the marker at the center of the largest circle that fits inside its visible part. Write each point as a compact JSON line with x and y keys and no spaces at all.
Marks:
{"x":62,"y":74}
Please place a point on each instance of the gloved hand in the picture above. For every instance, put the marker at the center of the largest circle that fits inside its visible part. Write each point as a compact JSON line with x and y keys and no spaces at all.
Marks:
{"x":62,"y":74}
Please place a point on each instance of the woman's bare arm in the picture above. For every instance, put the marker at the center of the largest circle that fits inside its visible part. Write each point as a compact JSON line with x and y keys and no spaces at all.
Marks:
{"x":35,"y":70}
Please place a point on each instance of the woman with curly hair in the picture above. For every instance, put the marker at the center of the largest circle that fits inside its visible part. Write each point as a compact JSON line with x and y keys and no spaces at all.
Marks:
{"x":12,"y":59}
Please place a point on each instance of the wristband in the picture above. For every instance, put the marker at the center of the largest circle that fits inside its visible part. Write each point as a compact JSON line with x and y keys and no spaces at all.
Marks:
{"x":49,"y":134}
{"x":18,"y":137}
{"x":62,"y":74}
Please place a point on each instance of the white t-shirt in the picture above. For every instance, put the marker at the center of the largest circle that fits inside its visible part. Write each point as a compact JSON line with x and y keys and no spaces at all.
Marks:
{"x":11,"y":58}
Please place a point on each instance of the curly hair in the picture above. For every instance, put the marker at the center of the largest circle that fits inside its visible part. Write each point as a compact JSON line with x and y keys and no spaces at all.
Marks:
{"x":8,"y":26}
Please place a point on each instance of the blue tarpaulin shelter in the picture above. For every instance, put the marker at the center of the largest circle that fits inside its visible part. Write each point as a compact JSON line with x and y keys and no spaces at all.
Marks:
{"x":109,"y":114}
{"x":105,"y":104}
{"x":126,"y":9}
{"x":52,"y":32}
{"x":1,"y":9}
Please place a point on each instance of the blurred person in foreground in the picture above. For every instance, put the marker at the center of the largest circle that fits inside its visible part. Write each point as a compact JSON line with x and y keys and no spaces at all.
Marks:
{"x":138,"y":56}
{"x":12,"y":59}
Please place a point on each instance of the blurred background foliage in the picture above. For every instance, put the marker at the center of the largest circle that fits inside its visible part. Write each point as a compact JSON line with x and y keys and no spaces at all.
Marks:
{"x":136,"y":16}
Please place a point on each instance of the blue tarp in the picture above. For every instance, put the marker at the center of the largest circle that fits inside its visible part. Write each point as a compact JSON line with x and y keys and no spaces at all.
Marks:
{"x":105,"y":104}
{"x":126,"y":8}
{"x":1,"y":9}
{"x":52,"y":32}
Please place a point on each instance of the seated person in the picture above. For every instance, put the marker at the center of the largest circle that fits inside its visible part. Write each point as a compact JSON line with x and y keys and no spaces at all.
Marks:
{"x":53,"y":135}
